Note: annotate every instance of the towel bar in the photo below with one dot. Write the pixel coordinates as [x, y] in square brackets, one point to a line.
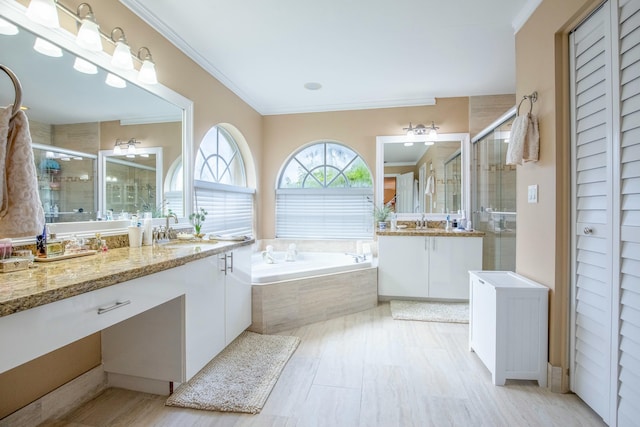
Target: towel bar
[16, 83]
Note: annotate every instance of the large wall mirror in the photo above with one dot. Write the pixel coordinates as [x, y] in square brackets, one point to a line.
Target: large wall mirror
[74, 116]
[419, 178]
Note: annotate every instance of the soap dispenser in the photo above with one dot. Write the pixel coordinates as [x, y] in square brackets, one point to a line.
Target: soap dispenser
[448, 226]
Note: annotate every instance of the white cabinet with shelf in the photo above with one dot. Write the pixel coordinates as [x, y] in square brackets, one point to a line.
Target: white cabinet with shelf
[427, 266]
[508, 325]
[216, 308]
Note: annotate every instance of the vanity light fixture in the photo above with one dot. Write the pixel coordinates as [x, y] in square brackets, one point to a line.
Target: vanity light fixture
[44, 12]
[44, 47]
[408, 144]
[116, 149]
[85, 66]
[147, 73]
[431, 131]
[7, 28]
[88, 35]
[122, 54]
[429, 142]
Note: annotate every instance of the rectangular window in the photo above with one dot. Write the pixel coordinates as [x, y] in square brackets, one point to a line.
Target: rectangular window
[324, 213]
[229, 208]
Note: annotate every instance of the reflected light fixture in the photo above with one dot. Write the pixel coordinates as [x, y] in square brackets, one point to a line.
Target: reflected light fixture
[85, 66]
[7, 28]
[122, 54]
[408, 144]
[147, 73]
[89, 33]
[44, 47]
[126, 147]
[115, 81]
[44, 12]
[433, 131]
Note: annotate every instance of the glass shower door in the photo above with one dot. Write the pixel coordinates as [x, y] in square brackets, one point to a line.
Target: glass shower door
[493, 197]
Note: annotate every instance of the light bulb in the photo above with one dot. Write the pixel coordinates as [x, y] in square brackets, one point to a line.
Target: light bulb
[44, 47]
[147, 73]
[115, 81]
[89, 35]
[85, 66]
[43, 12]
[7, 28]
[122, 56]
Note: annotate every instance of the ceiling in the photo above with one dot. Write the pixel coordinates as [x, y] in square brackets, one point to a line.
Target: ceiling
[364, 53]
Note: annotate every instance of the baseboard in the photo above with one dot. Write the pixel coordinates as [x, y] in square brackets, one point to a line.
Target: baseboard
[557, 379]
[143, 385]
[60, 401]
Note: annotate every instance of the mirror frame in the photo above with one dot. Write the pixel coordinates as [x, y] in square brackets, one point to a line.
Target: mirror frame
[465, 149]
[16, 13]
[103, 155]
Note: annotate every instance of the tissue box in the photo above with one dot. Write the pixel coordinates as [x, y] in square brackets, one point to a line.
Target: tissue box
[13, 264]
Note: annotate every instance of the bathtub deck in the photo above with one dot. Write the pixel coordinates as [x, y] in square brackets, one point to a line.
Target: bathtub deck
[290, 304]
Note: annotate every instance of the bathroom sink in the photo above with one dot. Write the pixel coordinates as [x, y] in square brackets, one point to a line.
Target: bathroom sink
[180, 243]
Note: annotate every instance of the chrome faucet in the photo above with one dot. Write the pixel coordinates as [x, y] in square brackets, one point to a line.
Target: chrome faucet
[357, 258]
[168, 230]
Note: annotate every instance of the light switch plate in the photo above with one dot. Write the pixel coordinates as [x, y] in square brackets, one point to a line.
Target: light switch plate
[532, 194]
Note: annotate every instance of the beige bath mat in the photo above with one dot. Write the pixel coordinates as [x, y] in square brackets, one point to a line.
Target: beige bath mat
[448, 312]
[240, 378]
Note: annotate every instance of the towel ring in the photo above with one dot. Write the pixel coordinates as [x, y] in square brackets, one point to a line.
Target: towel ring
[17, 103]
[532, 98]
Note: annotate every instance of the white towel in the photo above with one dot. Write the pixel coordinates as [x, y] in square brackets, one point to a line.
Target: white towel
[21, 213]
[524, 141]
[431, 187]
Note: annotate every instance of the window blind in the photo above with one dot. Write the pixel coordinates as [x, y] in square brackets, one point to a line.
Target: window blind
[324, 214]
[229, 208]
[173, 201]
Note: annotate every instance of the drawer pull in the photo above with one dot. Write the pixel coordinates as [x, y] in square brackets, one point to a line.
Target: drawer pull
[481, 281]
[102, 310]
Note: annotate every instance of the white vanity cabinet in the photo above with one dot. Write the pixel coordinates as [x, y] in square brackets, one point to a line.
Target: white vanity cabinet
[403, 266]
[237, 285]
[508, 325]
[450, 260]
[427, 266]
[40, 330]
[216, 307]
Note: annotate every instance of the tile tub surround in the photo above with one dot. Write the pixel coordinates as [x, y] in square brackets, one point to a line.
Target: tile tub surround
[54, 281]
[279, 306]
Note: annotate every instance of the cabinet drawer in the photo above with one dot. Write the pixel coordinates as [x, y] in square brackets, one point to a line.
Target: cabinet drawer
[34, 332]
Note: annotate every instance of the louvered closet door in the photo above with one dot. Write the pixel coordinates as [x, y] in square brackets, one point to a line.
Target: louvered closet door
[592, 258]
[629, 375]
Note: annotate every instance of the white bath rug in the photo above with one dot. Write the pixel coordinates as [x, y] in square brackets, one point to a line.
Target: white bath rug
[448, 312]
[240, 378]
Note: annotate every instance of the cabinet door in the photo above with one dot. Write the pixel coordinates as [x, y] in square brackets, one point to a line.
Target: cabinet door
[403, 264]
[450, 260]
[482, 322]
[204, 313]
[238, 292]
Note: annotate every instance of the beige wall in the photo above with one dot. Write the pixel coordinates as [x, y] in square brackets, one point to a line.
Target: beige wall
[285, 134]
[543, 228]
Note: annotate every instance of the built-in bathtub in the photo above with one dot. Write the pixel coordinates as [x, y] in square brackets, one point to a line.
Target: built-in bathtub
[316, 286]
[306, 264]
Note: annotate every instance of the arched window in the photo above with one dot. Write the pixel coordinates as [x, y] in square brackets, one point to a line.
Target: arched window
[220, 185]
[324, 191]
[173, 189]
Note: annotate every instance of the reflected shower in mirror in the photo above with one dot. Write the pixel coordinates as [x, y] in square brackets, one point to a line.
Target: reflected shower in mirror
[75, 115]
[130, 183]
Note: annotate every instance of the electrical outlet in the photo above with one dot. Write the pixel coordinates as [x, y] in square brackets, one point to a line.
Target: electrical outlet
[532, 194]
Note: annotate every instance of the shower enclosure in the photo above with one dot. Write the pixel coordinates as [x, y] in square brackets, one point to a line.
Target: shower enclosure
[493, 194]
